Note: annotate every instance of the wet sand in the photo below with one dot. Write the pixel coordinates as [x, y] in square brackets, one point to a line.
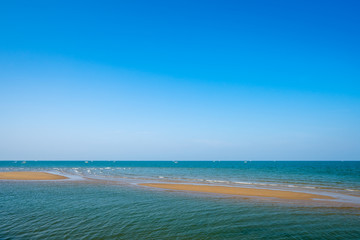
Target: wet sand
[29, 176]
[253, 192]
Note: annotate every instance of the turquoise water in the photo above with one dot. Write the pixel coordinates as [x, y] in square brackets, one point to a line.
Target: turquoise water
[102, 200]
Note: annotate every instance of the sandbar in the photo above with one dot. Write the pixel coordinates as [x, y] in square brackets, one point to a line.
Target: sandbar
[29, 176]
[254, 192]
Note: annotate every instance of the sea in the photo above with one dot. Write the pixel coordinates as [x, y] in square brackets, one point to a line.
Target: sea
[103, 200]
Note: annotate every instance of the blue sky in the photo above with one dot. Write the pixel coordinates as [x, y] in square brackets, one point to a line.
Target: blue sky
[186, 80]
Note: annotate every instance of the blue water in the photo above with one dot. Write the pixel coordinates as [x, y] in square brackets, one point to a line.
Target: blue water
[102, 200]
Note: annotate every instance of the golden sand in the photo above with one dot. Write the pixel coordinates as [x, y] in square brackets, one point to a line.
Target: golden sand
[29, 176]
[239, 191]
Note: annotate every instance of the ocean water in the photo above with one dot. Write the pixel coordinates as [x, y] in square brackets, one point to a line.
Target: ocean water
[101, 200]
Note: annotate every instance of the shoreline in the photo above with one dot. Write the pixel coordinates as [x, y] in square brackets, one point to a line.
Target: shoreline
[199, 188]
[246, 192]
[28, 175]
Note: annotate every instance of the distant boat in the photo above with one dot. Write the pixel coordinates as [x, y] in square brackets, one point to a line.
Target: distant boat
[23, 162]
[86, 162]
[175, 162]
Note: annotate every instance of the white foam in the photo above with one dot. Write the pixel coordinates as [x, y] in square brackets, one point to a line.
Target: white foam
[244, 183]
[351, 190]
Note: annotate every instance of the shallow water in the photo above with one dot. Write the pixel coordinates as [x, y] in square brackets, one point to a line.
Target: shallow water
[82, 208]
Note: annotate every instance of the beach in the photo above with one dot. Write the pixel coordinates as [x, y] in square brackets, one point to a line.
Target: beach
[250, 192]
[28, 175]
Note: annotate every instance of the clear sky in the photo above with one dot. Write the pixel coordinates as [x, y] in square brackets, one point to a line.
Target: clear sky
[180, 80]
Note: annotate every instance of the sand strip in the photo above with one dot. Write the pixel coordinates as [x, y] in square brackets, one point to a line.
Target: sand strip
[29, 176]
[239, 191]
